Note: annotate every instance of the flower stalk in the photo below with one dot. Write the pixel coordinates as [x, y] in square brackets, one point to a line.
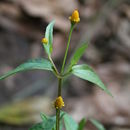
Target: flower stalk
[61, 79]
[67, 48]
[73, 19]
[58, 110]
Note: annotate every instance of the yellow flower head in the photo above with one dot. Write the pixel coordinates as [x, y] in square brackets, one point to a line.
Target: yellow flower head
[75, 17]
[59, 103]
[44, 40]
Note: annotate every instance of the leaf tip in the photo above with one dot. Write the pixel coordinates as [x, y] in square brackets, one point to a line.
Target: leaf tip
[109, 93]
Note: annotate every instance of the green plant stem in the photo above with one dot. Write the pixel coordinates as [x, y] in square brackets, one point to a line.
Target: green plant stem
[59, 93]
[59, 86]
[57, 73]
[61, 78]
[57, 119]
[58, 110]
[67, 48]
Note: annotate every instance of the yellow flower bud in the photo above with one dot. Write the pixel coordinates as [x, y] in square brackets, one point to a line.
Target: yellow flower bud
[75, 17]
[44, 40]
[59, 103]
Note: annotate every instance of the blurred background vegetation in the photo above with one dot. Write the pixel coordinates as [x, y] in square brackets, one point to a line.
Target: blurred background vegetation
[105, 24]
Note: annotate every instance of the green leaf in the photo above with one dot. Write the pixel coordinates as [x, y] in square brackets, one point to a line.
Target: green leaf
[37, 127]
[82, 124]
[42, 64]
[45, 118]
[49, 37]
[85, 72]
[70, 124]
[47, 124]
[98, 125]
[77, 55]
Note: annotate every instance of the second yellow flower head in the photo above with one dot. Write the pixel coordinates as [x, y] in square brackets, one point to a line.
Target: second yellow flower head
[59, 103]
[44, 41]
[75, 17]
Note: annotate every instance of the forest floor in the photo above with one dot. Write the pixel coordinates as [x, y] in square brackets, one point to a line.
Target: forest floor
[104, 24]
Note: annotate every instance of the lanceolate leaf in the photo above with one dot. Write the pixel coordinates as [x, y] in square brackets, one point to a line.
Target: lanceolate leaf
[85, 72]
[49, 37]
[78, 53]
[82, 124]
[42, 64]
[98, 125]
[70, 124]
